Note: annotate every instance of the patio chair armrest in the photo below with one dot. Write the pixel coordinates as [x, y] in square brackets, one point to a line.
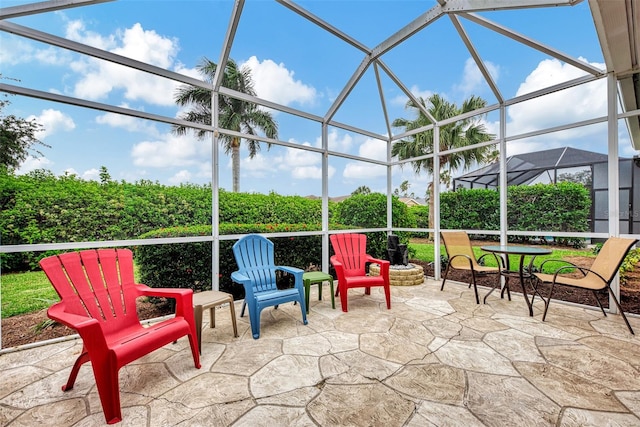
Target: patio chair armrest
[88, 328]
[58, 313]
[245, 281]
[335, 262]
[383, 263]
[295, 272]
[467, 257]
[183, 297]
[288, 269]
[337, 265]
[177, 293]
[583, 270]
[568, 265]
[240, 278]
[499, 260]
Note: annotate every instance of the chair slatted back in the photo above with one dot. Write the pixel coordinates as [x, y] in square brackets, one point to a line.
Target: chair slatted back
[255, 258]
[96, 283]
[611, 256]
[351, 251]
[458, 243]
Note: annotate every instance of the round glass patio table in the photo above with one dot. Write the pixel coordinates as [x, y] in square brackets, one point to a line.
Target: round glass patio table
[521, 273]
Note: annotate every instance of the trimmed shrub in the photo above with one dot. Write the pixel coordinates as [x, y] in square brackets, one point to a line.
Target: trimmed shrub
[369, 211]
[189, 265]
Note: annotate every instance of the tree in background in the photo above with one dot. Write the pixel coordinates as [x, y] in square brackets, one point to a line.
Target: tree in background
[403, 190]
[234, 114]
[17, 139]
[461, 133]
[363, 189]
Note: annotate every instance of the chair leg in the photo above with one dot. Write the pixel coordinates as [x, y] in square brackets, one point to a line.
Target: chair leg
[444, 278]
[621, 311]
[254, 319]
[304, 308]
[484, 300]
[244, 305]
[595, 295]
[333, 298]
[307, 291]
[387, 294]
[475, 287]
[507, 289]
[344, 291]
[233, 318]
[195, 350]
[106, 375]
[197, 314]
[81, 360]
[547, 302]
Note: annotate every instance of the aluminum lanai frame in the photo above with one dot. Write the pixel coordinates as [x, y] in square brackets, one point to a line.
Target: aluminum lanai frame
[455, 10]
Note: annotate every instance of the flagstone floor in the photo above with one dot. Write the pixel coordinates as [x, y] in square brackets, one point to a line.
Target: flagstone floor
[435, 359]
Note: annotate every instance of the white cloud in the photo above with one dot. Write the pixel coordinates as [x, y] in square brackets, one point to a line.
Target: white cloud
[171, 150]
[311, 172]
[372, 149]
[16, 50]
[336, 142]
[131, 124]
[303, 164]
[276, 83]
[259, 166]
[472, 78]
[579, 103]
[363, 170]
[583, 102]
[100, 78]
[92, 174]
[401, 99]
[180, 177]
[33, 163]
[52, 121]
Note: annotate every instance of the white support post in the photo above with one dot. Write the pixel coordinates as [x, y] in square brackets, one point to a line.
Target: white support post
[215, 197]
[614, 176]
[325, 199]
[436, 202]
[502, 186]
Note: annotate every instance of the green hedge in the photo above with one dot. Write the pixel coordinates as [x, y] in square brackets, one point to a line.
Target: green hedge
[42, 208]
[560, 207]
[189, 265]
[475, 209]
[369, 211]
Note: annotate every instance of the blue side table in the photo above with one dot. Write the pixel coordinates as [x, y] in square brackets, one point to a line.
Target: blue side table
[317, 277]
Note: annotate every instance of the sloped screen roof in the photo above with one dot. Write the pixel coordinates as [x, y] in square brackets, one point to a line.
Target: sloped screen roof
[524, 168]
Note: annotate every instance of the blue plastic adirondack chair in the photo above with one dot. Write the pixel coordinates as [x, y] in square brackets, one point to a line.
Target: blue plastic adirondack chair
[257, 273]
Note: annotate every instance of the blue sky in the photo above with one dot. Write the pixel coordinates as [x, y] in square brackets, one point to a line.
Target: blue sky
[296, 64]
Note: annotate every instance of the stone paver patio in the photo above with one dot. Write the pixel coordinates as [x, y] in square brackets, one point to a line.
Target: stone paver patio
[435, 359]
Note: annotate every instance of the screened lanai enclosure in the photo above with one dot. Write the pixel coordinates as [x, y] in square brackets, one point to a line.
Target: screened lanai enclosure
[569, 164]
[102, 77]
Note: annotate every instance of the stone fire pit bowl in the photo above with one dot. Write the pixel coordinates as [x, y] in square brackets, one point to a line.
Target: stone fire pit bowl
[401, 275]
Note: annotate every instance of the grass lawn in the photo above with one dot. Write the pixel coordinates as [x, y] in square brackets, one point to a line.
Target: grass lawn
[26, 293]
[424, 252]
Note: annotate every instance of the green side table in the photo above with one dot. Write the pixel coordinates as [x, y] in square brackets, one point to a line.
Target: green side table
[317, 277]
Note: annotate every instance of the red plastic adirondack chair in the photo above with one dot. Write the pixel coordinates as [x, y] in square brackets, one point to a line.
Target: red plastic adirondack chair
[350, 260]
[98, 300]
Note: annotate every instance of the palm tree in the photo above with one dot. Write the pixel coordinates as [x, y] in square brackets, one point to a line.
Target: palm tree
[234, 114]
[462, 133]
